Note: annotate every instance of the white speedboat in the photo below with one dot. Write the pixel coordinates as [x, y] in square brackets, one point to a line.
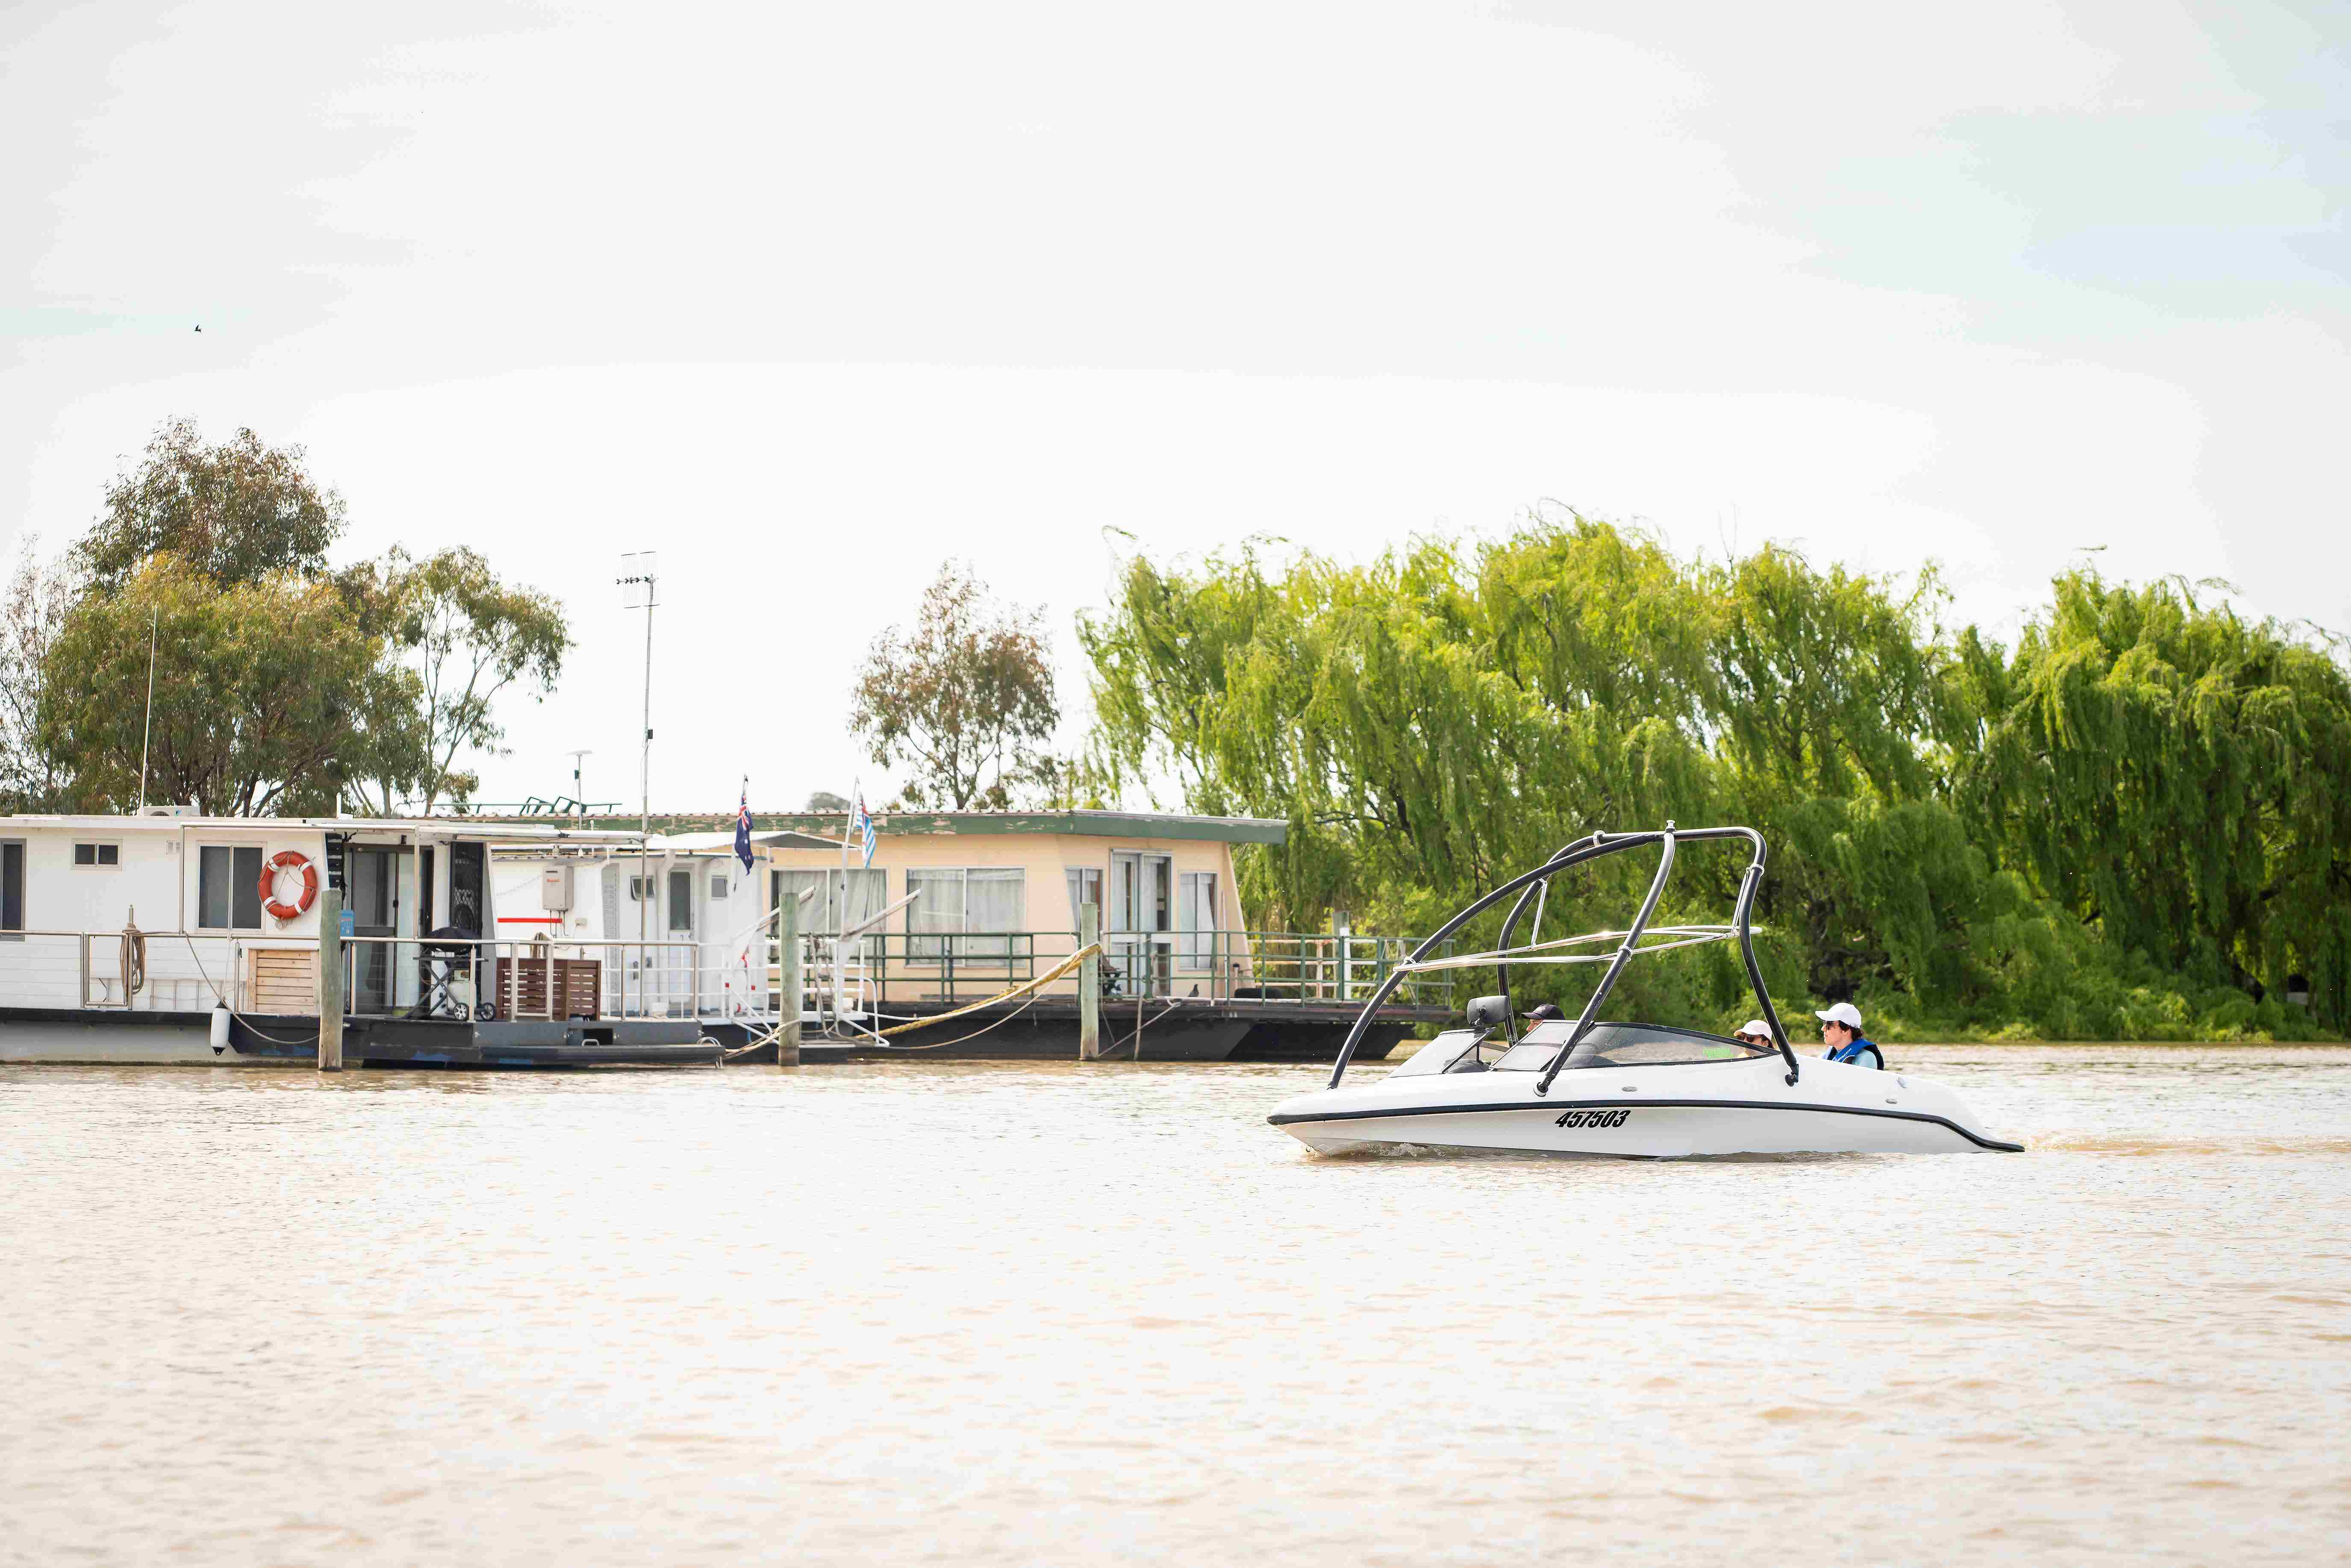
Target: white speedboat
[1593, 1087]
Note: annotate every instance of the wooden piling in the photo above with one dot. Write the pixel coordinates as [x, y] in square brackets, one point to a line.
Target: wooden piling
[1089, 984]
[330, 978]
[788, 974]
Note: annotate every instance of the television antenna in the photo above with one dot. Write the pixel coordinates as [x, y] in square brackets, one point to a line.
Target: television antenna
[639, 586]
[578, 797]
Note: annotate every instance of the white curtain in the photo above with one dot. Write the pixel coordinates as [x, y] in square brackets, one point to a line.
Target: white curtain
[818, 912]
[995, 900]
[1085, 887]
[936, 914]
[1195, 921]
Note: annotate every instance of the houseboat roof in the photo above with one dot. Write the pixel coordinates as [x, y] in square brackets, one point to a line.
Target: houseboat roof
[436, 826]
[830, 827]
[710, 843]
[773, 838]
[1085, 824]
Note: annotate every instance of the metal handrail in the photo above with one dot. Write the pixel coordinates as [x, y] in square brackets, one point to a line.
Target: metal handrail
[1233, 967]
[1237, 968]
[524, 950]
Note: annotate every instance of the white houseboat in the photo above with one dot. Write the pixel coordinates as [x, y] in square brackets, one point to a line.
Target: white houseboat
[170, 937]
[689, 927]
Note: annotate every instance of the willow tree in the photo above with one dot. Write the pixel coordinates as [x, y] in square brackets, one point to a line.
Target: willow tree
[1426, 723]
[2134, 825]
[2179, 778]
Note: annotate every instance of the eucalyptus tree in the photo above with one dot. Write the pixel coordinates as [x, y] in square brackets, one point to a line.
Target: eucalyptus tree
[253, 710]
[281, 683]
[468, 636]
[37, 599]
[964, 699]
[231, 513]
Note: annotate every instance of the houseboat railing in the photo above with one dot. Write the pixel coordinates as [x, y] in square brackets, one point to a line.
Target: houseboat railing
[254, 972]
[680, 976]
[526, 977]
[891, 969]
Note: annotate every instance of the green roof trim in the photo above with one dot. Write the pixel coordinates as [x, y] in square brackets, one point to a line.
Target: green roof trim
[1083, 824]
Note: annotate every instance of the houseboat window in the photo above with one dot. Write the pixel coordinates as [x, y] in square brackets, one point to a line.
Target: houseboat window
[823, 912]
[1195, 919]
[1085, 887]
[972, 910]
[637, 889]
[228, 887]
[938, 912]
[12, 886]
[681, 901]
[718, 886]
[101, 854]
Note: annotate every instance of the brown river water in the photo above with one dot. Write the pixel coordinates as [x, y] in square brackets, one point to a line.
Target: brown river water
[1017, 1313]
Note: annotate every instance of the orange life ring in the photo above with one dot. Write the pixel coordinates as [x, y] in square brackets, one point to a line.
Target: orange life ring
[287, 860]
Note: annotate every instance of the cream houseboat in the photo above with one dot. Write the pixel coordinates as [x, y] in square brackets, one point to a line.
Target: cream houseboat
[955, 909]
[177, 938]
[957, 906]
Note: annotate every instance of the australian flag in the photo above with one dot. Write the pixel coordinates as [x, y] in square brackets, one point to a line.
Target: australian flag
[743, 829]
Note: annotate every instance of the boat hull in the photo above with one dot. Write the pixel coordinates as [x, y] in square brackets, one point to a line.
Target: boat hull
[1661, 1113]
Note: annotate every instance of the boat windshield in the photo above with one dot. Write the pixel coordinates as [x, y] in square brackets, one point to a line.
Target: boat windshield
[1623, 1045]
[1438, 1054]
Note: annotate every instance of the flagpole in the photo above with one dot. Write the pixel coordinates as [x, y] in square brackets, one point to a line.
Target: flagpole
[848, 820]
[841, 929]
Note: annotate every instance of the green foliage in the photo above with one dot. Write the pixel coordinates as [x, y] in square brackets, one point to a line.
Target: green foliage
[965, 700]
[2137, 825]
[280, 686]
[2202, 768]
[468, 636]
[235, 513]
[252, 716]
[33, 612]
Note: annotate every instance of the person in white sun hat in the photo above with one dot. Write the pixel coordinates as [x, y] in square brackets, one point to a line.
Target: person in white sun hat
[1840, 1031]
[1755, 1031]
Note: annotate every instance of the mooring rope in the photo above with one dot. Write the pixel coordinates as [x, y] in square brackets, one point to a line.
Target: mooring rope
[1026, 988]
[222, 996]
[1091, 950]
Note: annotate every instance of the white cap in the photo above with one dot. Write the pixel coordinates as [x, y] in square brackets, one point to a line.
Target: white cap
[1756, 1026]
[1845, 1013]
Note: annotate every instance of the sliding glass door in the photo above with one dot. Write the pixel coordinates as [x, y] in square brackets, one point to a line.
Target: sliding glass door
[1140, 927]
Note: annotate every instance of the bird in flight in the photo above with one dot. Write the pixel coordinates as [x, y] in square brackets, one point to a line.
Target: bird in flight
[200, 329]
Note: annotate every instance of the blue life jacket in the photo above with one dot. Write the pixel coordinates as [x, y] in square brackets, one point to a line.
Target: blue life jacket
[1853, 1050]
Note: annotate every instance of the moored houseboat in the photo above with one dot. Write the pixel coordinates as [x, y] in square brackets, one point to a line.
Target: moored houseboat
[172, 938]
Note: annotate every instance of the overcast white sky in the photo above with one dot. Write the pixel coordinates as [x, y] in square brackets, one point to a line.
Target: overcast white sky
[809, 298]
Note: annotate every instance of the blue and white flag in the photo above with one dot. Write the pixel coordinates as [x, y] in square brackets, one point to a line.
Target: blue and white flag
[861, 828]
[743, 829]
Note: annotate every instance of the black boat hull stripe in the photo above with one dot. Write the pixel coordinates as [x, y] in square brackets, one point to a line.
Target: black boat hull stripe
[1549, 1105]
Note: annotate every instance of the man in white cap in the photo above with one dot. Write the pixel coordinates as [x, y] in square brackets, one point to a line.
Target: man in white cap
[1841, 1030]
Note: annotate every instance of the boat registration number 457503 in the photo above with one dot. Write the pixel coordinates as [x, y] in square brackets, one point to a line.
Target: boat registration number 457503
[1596, 1118]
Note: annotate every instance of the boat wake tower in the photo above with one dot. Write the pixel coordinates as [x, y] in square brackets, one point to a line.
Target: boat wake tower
[1631, 1089]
